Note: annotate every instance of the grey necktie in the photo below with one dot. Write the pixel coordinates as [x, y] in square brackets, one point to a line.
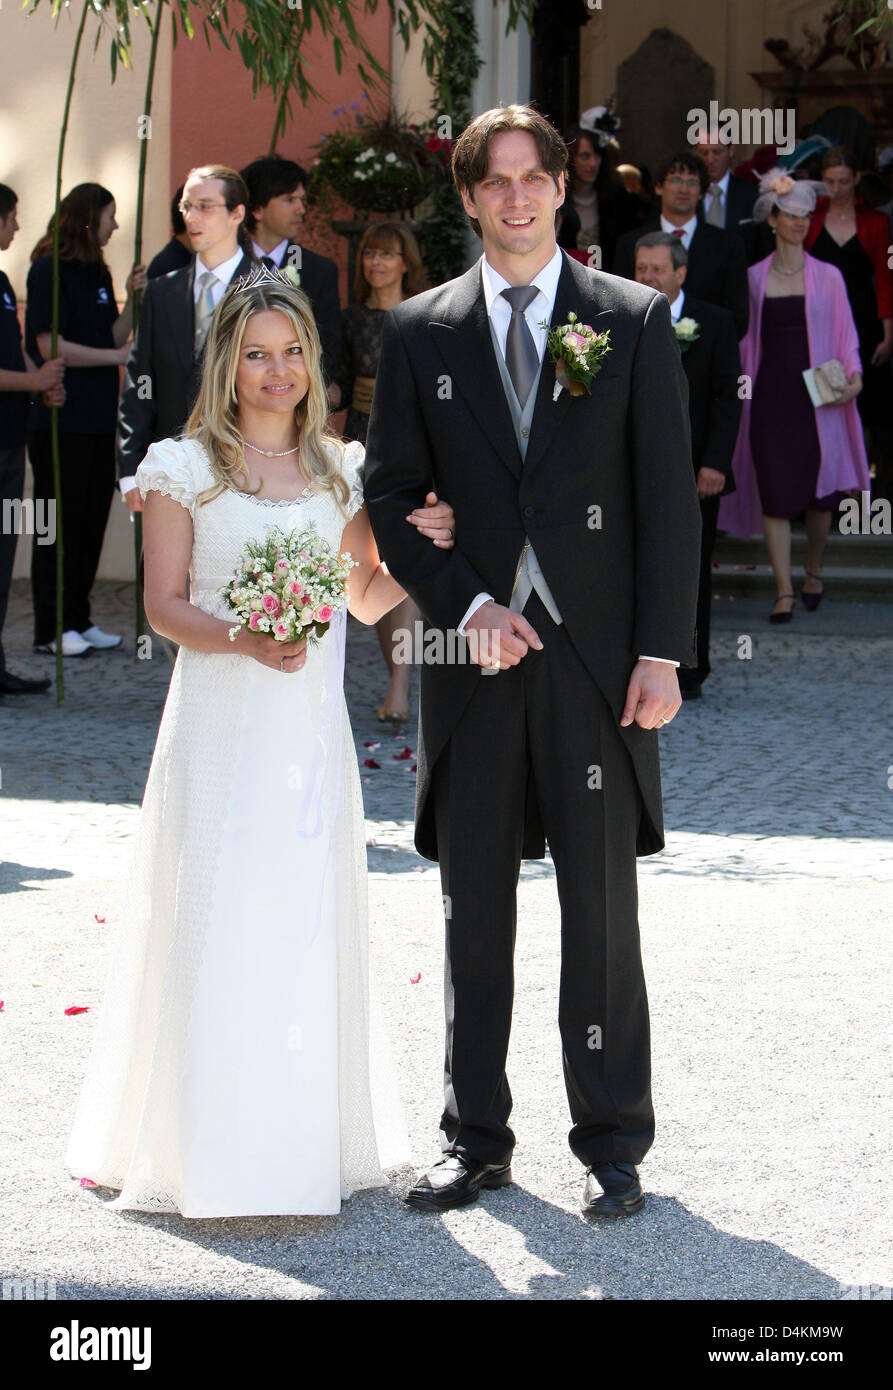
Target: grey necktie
[716, 215]
[204, 309]
[521, 356]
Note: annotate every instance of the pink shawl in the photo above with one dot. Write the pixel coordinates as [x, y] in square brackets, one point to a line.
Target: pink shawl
[831, 333]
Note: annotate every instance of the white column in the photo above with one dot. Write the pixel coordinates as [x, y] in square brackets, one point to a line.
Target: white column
[505, 75]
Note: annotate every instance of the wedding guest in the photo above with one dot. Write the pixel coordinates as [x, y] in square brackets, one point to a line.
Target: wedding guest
[596, 193]
[792, 456]
[178, 251]
[19, 380]
[637, 186]
[729, 200]
[164, 367]
[846, 232]
[712, 365]
[389, 270]
[717, 265]
[93, 342]
[277, 189]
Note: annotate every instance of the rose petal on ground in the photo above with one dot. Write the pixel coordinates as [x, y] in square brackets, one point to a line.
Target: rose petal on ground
[77, 1009]
[370, 762]
[87, 1182]
[414, 979]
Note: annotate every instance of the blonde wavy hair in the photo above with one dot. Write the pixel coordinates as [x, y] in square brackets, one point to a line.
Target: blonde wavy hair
[213, 421]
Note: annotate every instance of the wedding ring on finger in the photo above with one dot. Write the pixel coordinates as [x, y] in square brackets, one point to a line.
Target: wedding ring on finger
[662, 722]
[282, 667]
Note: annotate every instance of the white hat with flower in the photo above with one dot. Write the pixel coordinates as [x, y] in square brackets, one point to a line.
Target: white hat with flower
[779, 189]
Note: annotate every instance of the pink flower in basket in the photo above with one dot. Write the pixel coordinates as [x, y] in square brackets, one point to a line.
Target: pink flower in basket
[325, 613]
[253, 621]
[271, 604]
[282, 564]
[280, 629]
[295, 588]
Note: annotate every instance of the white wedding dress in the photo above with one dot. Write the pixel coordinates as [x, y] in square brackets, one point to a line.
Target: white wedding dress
[230, 1073]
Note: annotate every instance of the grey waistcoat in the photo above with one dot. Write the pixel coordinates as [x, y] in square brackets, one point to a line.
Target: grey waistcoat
[528, 577]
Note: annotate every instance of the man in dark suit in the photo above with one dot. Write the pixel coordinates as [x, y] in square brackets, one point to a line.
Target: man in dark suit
[582, 512]
[717, 265]
[164, 369]
[277, 189]
[712, 365]
[729, 200]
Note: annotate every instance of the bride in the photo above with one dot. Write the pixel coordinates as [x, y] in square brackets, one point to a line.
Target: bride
[230, 1073]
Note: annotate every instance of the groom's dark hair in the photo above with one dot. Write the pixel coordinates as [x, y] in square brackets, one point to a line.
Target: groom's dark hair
[471, 152]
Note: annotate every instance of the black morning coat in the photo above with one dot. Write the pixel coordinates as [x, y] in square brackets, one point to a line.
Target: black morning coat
[606, 496]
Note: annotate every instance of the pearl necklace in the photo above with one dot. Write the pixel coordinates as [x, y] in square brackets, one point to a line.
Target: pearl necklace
[273, 453]
[778, 270]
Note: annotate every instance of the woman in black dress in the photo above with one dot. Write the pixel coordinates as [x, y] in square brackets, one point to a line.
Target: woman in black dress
[93, 344]
[389, 270]
[846, 232]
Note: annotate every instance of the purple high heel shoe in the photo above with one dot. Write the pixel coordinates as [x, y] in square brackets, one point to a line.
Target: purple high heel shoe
[783, 617]
[811, 601]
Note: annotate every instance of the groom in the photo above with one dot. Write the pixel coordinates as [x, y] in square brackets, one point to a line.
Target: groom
[576, 567]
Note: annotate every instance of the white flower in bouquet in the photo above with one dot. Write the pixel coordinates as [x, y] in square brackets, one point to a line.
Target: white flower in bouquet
[288, 585]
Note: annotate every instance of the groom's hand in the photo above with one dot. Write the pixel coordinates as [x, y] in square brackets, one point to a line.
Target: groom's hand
[652, 697]
[500, 636]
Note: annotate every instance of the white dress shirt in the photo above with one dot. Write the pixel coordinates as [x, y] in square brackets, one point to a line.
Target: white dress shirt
[723, 186]
[676, 306]
[538, 315]
[688, 229]
[223, 273]
[275, 255]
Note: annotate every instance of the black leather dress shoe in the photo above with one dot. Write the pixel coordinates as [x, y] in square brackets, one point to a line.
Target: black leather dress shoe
[612, 1189]
[455, 1181]
[17, 685]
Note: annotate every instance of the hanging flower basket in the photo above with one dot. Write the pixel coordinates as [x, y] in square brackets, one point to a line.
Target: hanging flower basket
[378, 165]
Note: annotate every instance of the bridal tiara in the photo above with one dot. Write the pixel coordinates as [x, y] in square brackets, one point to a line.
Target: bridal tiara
[263, 275]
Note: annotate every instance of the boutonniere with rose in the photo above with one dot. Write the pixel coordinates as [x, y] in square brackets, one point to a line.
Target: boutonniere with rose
[687, 331]
[578, 352]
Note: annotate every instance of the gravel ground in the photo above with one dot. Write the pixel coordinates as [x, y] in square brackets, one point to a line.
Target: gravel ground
[765, 925]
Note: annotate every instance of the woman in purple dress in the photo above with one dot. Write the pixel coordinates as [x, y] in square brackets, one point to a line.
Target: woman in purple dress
[799, 456]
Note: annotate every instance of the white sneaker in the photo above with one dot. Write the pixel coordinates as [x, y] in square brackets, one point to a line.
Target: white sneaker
[95, 637]
[73, 644]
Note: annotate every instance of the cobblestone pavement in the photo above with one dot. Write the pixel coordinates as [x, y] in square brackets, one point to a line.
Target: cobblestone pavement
[765, 928]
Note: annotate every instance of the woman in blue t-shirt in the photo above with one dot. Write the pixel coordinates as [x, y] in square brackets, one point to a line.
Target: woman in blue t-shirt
[93, 344]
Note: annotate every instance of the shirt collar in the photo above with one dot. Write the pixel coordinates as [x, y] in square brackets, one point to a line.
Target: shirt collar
[223, 272]
[546, 281]
[688, 228]
[676, 306]
[275, 255]
[723, 184]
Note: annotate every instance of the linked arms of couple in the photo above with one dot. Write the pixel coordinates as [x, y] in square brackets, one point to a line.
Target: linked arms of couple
[503, 636]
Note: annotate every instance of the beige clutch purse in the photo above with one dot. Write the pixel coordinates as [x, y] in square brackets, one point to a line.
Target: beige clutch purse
[826, 383]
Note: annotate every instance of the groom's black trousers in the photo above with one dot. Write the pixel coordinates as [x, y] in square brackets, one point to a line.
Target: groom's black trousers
[547, 721]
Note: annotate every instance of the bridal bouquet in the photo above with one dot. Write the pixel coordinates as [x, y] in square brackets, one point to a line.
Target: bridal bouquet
[289, 586]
